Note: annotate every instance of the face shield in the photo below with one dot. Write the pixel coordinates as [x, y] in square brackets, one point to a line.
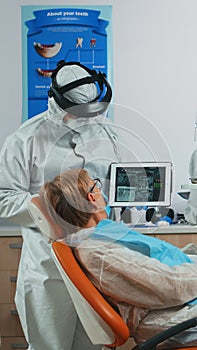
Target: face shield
[80, 91]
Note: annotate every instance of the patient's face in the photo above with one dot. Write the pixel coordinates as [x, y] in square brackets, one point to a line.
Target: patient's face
[95, 189]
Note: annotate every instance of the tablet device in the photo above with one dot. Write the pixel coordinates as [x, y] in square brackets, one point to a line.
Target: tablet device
[140, 184]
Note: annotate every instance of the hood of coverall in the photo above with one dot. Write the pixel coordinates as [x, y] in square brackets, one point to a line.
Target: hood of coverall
[81, 94]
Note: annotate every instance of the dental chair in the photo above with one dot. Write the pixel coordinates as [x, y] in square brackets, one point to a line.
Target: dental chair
[101, 321]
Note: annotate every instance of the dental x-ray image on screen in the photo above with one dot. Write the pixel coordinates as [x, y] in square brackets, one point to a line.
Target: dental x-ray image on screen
[140, 184]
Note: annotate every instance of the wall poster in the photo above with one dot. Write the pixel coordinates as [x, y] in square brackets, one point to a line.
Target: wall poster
[61, 33]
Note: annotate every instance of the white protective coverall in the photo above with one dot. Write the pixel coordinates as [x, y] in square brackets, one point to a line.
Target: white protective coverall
[190, 211]
[40, 149]
[150, 295]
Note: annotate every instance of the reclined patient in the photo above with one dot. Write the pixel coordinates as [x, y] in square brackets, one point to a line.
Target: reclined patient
[153, 283]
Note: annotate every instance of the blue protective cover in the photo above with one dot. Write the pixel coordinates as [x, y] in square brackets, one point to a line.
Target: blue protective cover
[153, 247]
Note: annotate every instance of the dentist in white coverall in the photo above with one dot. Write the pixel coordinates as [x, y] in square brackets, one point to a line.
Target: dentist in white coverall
[41, 148]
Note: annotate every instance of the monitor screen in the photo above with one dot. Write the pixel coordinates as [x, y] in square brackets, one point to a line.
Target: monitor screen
[140, 184]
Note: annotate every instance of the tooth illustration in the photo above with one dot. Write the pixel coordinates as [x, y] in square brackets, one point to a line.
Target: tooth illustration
[44, 72]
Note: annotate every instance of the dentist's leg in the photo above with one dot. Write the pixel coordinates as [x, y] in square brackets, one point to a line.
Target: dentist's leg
[81, 340]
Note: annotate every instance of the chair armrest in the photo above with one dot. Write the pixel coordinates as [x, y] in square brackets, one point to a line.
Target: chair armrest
[151, 344]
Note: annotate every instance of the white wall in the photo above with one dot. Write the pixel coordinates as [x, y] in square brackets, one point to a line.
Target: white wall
[155, 73]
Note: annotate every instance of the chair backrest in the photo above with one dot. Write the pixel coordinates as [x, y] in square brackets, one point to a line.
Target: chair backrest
[43, 220]
[101, 322]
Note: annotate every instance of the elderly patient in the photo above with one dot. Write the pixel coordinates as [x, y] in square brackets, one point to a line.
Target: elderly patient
[153, 283]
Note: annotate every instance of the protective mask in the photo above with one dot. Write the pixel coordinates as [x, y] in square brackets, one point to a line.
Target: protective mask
[107, 207]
